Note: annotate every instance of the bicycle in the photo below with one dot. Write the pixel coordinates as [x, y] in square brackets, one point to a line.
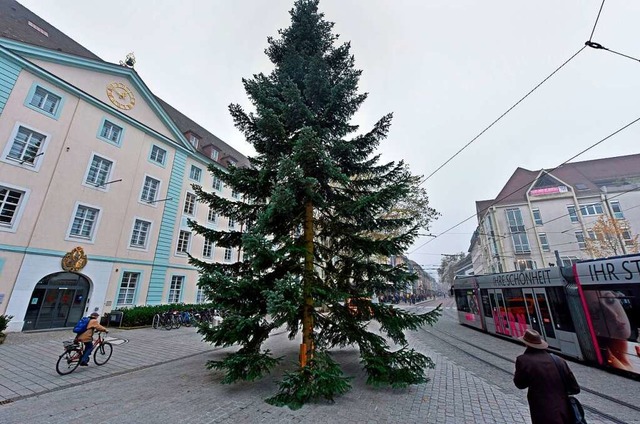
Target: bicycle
[73, 351]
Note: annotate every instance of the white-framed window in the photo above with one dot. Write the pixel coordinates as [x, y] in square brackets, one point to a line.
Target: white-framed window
[175, 290]
[207, 248]
[200, 297]
[514, 218]
[128, 285]
[217, 183]
[591, 209]
[140, 233]
[544, 242]
[98, 172]
[524, 264]
[195, 173]
[232, 223]
[150, 190]
[44, 101]
[520, 243]
[84, 223]
[211, 216]
[235, 194]
[158, 155]
[110, 132]
[573, 214]
[629, 240]
[592, 235]
[184, 239]
[194, 140]
[580, 240]
[617, 210]
[227, 254]
[569, 260]
[214, 154]
[537, 217]
[26, 147]
[12, 202]
[189, 204]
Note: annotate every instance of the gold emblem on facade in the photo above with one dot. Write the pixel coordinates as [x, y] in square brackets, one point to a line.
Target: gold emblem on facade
[74, 260]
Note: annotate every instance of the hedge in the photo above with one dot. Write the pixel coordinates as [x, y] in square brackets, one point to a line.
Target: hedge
[140, 316]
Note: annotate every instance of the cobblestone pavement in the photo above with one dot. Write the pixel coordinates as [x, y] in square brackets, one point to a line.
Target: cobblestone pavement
[159, 376]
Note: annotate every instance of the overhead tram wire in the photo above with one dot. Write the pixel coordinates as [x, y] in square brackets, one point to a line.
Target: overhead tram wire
[527, 184]
[588, 43]
[502, 116]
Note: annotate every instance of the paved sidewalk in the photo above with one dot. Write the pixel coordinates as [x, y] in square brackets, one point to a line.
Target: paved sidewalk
[149, 366]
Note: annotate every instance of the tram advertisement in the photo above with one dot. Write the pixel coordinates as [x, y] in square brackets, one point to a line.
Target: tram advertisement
[610, 291]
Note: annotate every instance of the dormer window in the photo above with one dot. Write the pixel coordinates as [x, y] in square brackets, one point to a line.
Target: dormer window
[232, 162]
[194, 140]
[214, 154]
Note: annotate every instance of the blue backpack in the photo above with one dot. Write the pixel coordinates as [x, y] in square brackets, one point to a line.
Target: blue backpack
[81, 326]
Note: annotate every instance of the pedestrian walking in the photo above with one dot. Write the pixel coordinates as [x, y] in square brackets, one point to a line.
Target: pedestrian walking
[537, 371]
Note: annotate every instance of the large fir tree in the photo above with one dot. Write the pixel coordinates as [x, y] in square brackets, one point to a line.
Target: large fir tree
[318, 211]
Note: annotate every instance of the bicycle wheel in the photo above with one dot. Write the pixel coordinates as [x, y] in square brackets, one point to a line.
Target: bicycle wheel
[102, 353]
[156, 321]
[68, 361]
[177, 322]
[168, 324]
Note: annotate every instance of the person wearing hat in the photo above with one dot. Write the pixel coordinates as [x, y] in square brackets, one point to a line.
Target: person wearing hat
[87, 337]
[537, 371]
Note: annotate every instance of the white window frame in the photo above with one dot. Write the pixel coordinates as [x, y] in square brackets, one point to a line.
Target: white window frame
[190, 204]
[212, 217]
[125, 289]
[176, 287]
[183, 246]
[145, 246]
[215, 154]
[591, 209]
[152, 202]
[232, 224]
[537, 216]
[207, 249]
[103, 187]
[544, 242]
[108, 137]
[38, 158]
[194, 140]
[582, 244]
[572, 211]
[616, 209]
[217, 183]
[569, 260]
[195, 170]
[12, 227]
[55, 114]
[228, 254]
[155, 152]
[200, 297]
[94, 228]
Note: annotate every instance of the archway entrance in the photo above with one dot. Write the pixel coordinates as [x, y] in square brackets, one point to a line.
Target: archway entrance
[58, 300]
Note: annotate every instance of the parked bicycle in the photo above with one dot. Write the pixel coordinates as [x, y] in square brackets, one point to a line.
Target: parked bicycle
[73, 351]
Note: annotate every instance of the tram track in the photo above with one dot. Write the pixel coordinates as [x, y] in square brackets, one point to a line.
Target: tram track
[457, 345]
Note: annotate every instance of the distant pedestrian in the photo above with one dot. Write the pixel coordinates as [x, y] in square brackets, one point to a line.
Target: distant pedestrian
[537, 371]
[87, 337]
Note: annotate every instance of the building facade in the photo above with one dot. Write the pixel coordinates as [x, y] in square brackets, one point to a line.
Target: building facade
[540, 212]
[96, 178]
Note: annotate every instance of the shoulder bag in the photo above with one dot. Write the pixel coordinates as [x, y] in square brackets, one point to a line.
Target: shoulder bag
[574, 404]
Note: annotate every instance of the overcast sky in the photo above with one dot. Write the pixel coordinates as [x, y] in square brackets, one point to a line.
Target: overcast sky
[446, 69]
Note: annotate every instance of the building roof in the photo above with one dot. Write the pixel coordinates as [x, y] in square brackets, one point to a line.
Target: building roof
[587, 177]
[20, 24]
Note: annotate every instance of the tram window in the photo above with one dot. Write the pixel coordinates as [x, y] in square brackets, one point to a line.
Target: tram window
[461, 301]
[486, 306]
[560, 309]
[617, 313]
[516, 305]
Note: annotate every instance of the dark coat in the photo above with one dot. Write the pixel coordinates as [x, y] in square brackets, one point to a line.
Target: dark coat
[548, 400]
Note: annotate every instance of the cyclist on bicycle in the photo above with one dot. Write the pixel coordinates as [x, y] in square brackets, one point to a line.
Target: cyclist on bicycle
[87, 337]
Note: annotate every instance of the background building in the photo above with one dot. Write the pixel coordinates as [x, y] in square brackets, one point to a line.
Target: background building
[95, 182]
[539, 212]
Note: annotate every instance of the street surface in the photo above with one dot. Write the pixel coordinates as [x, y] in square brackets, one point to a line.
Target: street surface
[159, 376]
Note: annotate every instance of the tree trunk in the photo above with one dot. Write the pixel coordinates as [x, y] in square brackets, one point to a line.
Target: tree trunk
[307, 347]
